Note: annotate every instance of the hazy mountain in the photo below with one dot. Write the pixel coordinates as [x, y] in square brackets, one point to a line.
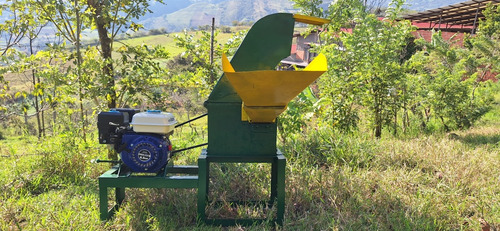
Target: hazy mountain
[176, 15]
[200, 12]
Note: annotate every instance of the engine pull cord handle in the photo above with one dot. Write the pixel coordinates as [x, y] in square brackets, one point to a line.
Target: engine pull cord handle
[106, 161]
[191, 120]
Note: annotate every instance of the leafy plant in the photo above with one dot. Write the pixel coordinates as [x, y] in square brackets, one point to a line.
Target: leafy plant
[449, 80]
[142, 76]
[365, 66]
[299, 111]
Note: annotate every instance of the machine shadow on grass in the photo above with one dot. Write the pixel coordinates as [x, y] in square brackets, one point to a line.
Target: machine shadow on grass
[175, 209]
[334, 202]
[157, 209]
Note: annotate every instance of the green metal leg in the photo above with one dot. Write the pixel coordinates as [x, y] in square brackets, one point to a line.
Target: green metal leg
[278, 167]
[120, 195]
[281, 168]
[112, 179]
[103, 201]
[274, 180]
[203, 171]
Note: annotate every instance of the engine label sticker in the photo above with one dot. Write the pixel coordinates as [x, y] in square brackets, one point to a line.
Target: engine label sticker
[144, 155]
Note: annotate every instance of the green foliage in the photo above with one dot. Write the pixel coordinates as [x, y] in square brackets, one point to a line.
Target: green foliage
[369, 73]
[192, 74]
[118, 16]
[299, 111]
[199, 51]
[21, 20]
[109, 20]
[308, 7]
[490, 26]
[158, 31]
[446, 76]
[486, 45]
[141, 75]
[366, 69]
[43, 91]
[335, 179]
[207, 69]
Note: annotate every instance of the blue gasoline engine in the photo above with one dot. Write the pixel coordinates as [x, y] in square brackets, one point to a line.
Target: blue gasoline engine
[141, 138]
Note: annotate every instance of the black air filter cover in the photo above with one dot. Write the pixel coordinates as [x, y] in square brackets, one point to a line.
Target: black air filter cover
[108, 122]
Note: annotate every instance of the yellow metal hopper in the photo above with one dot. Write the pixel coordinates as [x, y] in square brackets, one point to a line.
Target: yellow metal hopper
[266, 93]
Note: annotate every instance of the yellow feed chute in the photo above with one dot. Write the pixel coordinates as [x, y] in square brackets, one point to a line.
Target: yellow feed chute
[310, 20]
[266, 93]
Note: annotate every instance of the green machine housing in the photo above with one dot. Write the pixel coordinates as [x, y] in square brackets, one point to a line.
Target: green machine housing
[267, 43]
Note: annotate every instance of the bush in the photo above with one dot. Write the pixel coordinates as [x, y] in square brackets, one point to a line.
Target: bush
[157, 31]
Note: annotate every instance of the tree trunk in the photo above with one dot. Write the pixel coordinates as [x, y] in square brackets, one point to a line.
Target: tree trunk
[26, 122]
[79, 58]
[106, 48]
[42, 115]
[378, 128]
[378, 118]
[34, 82]
[395, 122]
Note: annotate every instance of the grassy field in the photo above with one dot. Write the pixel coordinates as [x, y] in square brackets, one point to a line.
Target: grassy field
[167, 40]
[441, 181]
[333, 182]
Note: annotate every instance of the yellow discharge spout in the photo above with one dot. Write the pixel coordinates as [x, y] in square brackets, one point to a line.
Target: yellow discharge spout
[266, 93]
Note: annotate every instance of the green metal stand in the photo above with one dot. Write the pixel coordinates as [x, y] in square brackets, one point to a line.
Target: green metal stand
[278, 163]
[114, 179]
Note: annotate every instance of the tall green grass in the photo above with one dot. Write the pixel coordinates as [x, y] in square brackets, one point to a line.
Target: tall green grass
[334, 181]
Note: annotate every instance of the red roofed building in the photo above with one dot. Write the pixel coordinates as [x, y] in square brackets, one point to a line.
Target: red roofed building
[453, 21]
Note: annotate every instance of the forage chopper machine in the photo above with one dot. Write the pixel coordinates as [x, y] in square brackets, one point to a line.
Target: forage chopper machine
[242, 111]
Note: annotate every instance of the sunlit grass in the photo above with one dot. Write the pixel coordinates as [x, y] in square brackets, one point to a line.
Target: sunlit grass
[168, 41]
[333, 182]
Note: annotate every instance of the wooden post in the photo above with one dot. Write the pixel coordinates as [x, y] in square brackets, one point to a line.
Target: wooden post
[212, 77]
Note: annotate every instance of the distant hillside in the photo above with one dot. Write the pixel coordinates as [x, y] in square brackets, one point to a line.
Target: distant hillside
[176, 15]
[200, 13]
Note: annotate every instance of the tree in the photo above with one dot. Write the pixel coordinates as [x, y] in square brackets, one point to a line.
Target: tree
[198, 51]
[68, 18]
[321, 8]
[450, 81]
[110, 18]
[14, 28]
[142, 76]
[365, 64]
[486, 45]
[25, 23]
